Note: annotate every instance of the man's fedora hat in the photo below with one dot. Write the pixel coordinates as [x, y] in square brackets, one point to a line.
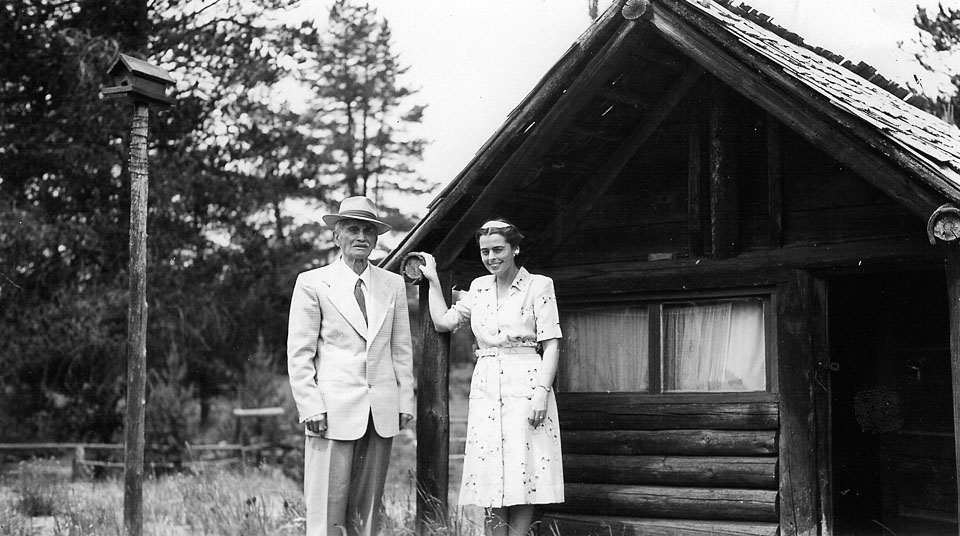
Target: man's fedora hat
[358, 208]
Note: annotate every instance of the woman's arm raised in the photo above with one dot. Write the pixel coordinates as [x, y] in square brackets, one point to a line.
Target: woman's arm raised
[438, 304]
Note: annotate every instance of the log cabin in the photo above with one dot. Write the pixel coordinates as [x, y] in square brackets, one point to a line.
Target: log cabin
[754, 247]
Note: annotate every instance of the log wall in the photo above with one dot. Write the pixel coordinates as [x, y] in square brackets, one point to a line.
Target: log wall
[640, 464]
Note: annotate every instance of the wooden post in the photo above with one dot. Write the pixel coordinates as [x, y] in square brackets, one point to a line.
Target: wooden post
[774, 181]
[695, 183]
[943, 226]
[79, 468]
[952, 262]
[136, 326]
[798, 442]
[433, 417]
[144, 84]
[724, 190]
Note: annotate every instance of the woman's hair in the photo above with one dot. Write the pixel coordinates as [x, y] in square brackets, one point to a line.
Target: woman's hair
[502, 227]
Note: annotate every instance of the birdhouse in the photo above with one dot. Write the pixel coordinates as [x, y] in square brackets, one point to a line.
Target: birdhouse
[139, 80]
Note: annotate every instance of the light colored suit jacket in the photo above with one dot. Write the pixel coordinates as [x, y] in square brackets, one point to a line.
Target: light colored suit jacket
[335, 367]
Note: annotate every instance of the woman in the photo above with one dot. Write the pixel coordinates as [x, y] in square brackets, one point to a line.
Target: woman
[512, 459]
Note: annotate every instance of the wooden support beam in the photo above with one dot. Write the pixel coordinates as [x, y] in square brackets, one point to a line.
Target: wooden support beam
[799, 500]
[774, 181]
[952, 265]
[751, 268]
[826, 127]
[433, 417]
[593, 190]
[624, 97]
[943, 227]
[822, 390]
[593, 133]
[724, 183]
[547, 91]
[561, 115]
[663, 59]
[696, 189]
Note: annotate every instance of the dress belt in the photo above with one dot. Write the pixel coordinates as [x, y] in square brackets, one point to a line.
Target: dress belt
[499, 350]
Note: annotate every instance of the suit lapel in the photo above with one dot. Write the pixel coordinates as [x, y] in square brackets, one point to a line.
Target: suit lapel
[341, 296]
[380, 295]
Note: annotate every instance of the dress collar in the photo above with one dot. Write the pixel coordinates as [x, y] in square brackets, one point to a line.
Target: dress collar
[520, 281]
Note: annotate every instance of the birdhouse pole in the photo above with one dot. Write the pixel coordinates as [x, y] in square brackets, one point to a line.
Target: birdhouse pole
[136, 326]
[144, 84]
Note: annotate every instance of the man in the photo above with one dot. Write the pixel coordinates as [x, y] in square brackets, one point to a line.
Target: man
[350, 362]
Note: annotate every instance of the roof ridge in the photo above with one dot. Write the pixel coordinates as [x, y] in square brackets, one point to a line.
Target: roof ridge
[861, 69]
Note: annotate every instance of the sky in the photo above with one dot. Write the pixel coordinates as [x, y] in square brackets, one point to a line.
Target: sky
[475, 60]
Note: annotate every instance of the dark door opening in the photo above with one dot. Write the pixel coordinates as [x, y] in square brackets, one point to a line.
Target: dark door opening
[892, 410]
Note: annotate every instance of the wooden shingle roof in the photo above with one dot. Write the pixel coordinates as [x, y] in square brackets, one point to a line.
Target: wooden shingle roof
[560, 137]
[933, 141]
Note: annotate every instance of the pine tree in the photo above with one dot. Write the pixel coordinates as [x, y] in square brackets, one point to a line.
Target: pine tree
[361, 109]
[940, 35]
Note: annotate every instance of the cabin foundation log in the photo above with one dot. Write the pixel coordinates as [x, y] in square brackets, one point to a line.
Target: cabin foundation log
[591, 525]
[720, 504]
[433, 417]
[626, 411]
[695, 471]
[677, 442]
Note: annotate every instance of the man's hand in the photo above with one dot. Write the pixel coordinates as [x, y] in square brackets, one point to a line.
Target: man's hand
[317, 424]
[405, 419]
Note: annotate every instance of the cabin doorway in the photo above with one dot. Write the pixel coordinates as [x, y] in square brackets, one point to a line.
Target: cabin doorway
[891, 406]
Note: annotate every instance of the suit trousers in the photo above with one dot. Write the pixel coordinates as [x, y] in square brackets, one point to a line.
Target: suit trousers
[343, 484]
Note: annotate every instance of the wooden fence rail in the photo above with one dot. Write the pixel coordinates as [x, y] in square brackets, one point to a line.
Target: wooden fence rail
[82, 467]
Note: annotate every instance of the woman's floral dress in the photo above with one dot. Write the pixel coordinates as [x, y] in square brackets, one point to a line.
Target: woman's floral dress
[507, 461]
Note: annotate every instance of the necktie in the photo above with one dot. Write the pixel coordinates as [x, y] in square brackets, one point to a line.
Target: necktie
[358, 294]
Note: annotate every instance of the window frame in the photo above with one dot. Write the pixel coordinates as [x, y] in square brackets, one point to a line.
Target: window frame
[654, 304]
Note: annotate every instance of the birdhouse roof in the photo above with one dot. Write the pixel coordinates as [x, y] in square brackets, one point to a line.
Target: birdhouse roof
[142, 68]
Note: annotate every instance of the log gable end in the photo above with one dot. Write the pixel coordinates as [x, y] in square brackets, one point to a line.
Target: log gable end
[690, 157]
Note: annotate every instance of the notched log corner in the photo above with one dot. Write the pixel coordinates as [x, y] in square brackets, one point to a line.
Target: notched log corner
[944, 224]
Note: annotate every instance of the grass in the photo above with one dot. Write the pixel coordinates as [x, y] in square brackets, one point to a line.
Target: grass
[260, 502]
[37, 497]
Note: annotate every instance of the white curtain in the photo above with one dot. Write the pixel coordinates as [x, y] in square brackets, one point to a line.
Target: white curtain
[604, 350]
[715, 346]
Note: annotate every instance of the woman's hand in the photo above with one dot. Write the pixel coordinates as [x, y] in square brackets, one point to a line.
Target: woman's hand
[429, 267]
[538, 407]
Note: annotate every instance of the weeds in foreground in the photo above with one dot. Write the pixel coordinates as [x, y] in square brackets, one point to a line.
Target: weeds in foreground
[37, 497]
[261, 502]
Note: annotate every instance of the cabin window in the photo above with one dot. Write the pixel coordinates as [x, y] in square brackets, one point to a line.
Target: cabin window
[619, 335]
[709, 345]
[716, 345]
